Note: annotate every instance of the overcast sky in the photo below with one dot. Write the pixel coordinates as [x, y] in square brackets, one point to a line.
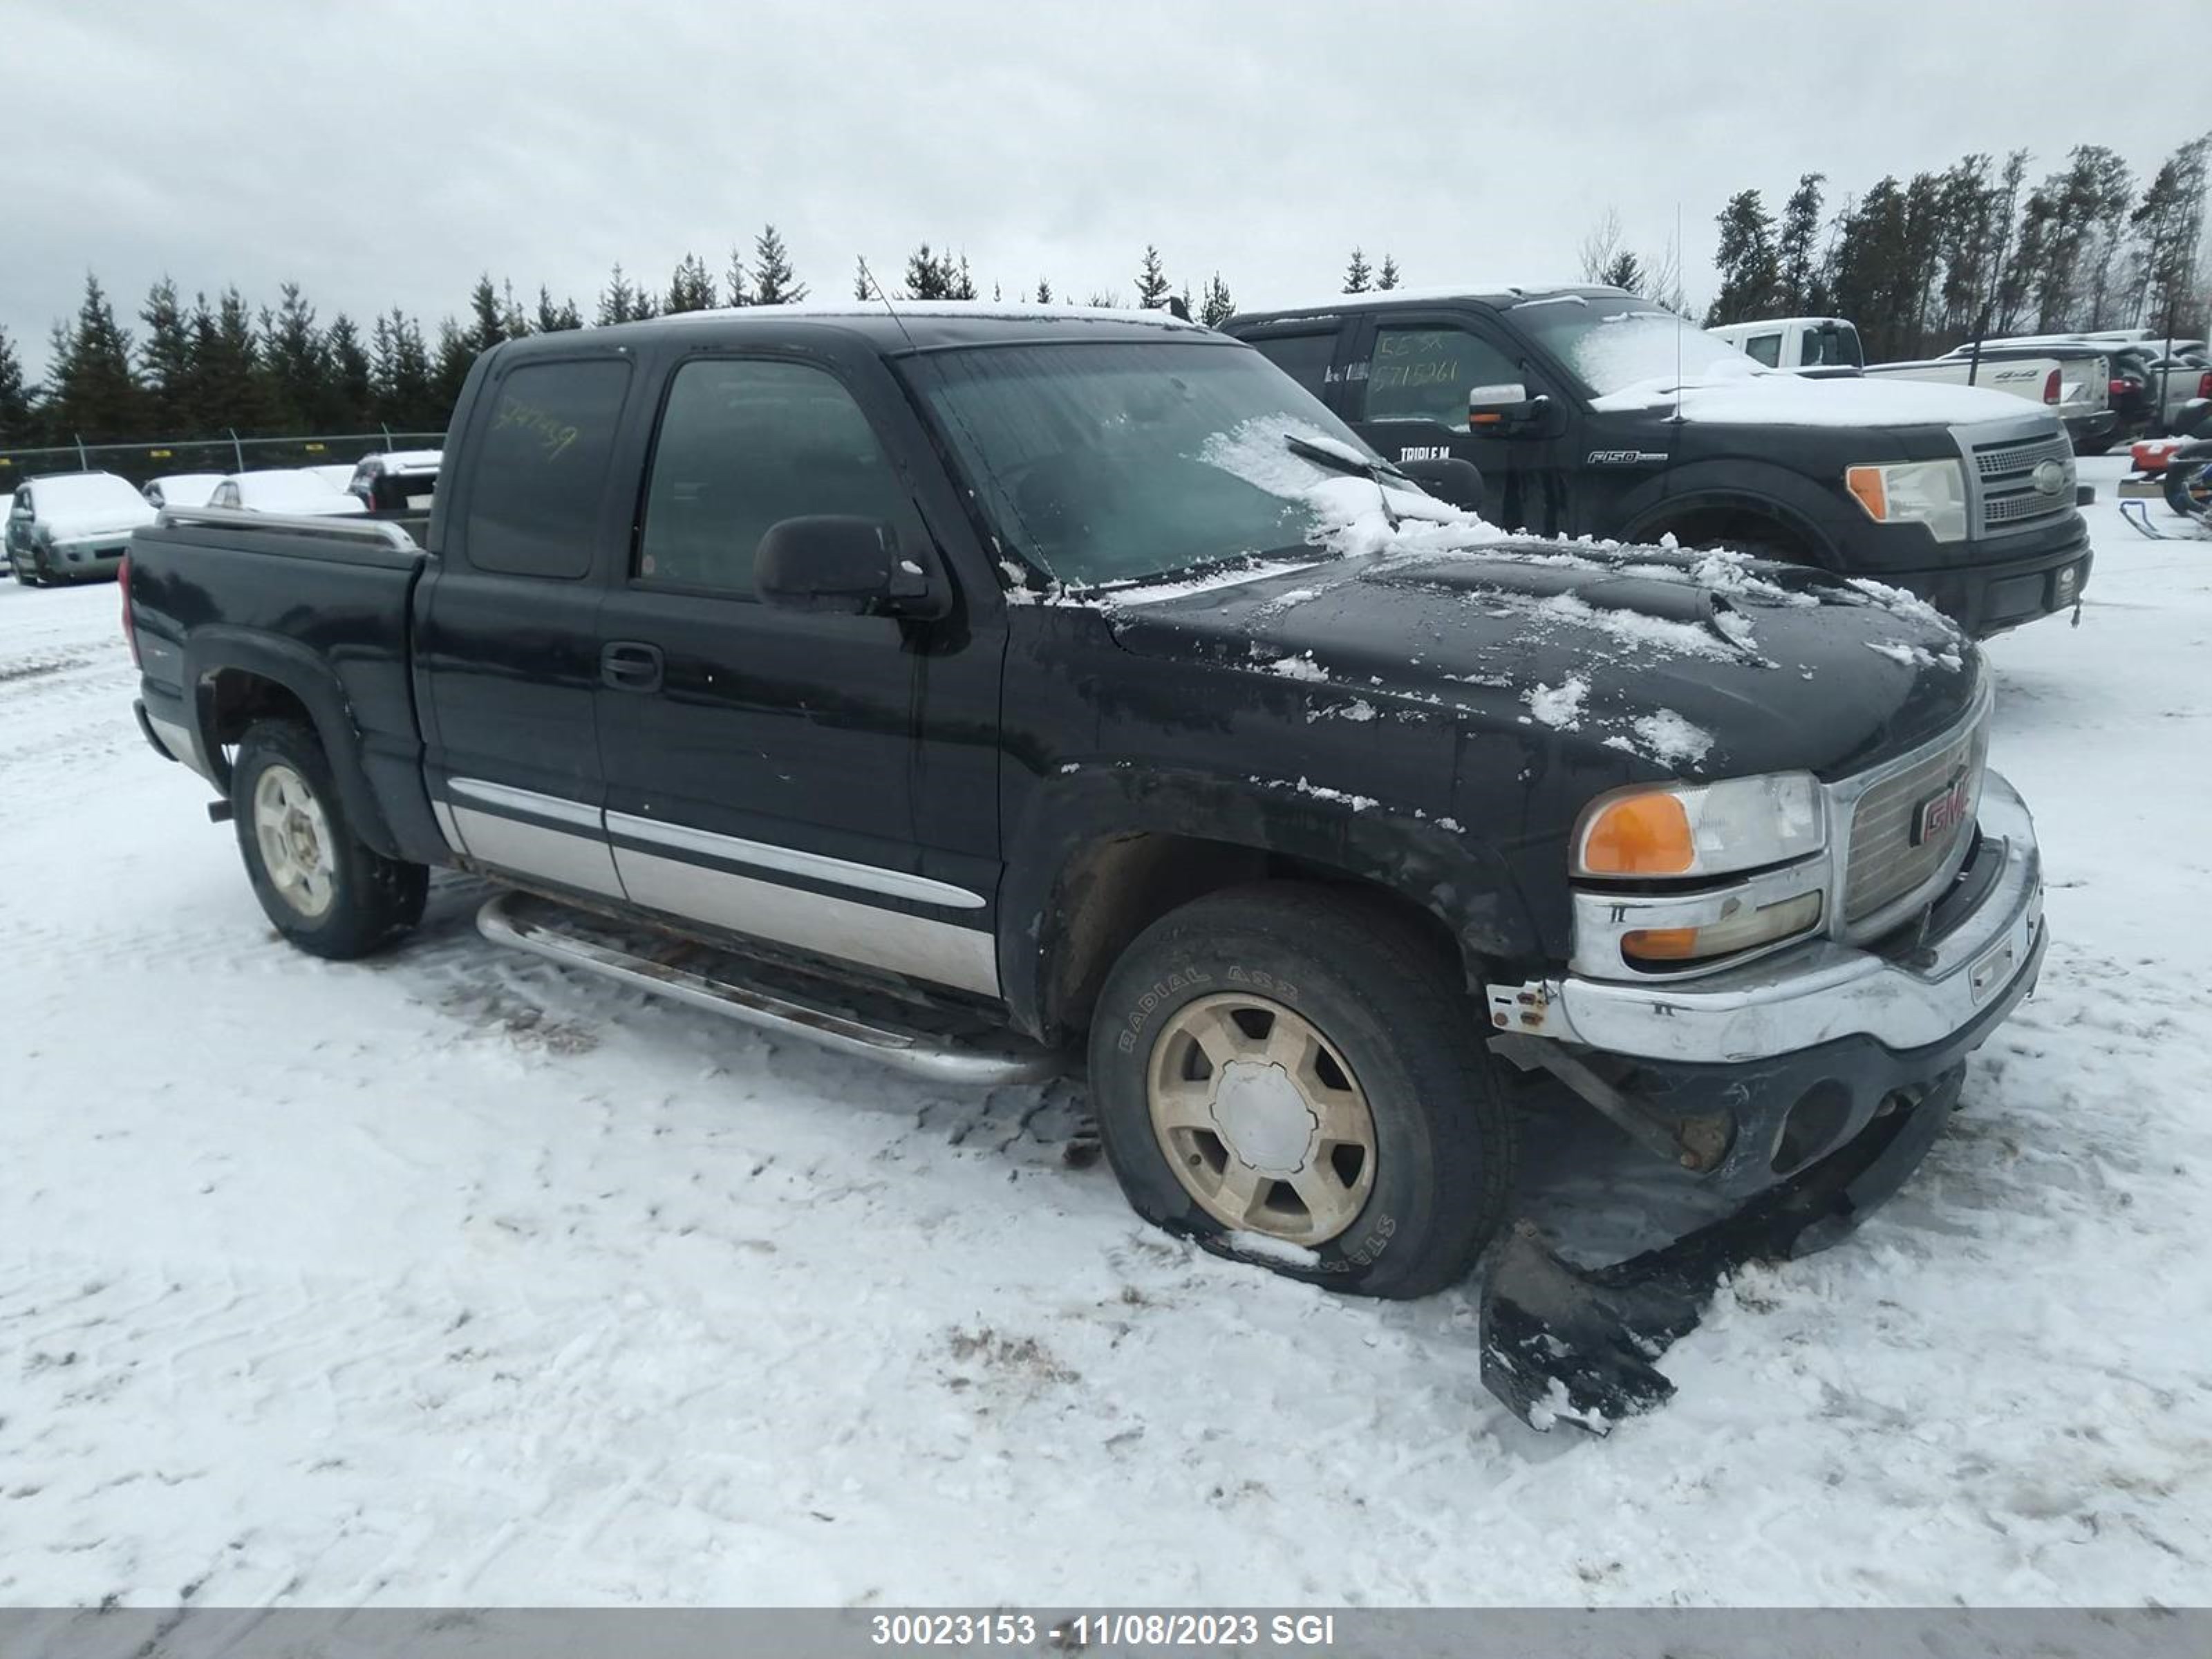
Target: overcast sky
[385, 154]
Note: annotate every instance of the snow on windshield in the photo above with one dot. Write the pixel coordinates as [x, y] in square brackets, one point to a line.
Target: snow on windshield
[91, 492]
[1618, 349]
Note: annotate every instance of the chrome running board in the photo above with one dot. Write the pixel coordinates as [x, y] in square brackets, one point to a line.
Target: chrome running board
[983, 1058]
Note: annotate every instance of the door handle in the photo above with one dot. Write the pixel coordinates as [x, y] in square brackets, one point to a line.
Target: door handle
[630, 665]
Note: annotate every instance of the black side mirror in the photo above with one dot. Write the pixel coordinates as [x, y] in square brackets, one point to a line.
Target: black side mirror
[847, 566]
[1448, 479]
[1508, 409]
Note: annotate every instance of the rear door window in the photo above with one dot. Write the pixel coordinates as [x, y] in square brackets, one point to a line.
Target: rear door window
[540, 469]
[1426, 373]
[1766, 349]
[745, 444]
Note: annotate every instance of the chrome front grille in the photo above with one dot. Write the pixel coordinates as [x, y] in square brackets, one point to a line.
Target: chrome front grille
[2005, 472]
[1886, 866]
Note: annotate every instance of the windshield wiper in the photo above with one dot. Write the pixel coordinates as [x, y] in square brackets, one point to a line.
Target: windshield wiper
[1377, 470]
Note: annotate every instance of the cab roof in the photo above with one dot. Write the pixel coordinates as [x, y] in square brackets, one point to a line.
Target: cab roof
[1502, 296]
[904, 326]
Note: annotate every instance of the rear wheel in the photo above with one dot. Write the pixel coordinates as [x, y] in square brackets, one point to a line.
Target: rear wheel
[323, 888]
[1295, 1074]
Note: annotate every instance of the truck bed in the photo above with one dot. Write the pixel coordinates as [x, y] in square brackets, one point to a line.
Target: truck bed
[235, 612]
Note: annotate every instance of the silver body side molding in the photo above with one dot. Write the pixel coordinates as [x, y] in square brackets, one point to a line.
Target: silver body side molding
[816, 866]
[477, 823]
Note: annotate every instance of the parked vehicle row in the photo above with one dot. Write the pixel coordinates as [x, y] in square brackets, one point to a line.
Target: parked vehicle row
[1595, 413]
[72, 526]
[1083, 683]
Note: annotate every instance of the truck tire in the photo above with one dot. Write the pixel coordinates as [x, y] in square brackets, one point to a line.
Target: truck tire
[1294, 1074]
[320, 887]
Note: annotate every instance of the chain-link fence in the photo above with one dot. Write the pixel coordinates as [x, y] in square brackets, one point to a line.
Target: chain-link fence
[229, 453]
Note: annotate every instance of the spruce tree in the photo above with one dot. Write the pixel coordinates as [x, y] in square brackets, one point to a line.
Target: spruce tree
[347, 404]
[774, 284]
[166, 359]
[1358, 278]
[1044, 292]
[232, 391]
[690, 288]
[1152, 287]
[1795, 264]
[552, 318]
[1626, 271]
[926, 277]
[18, 417]
[618, 300]
[1217, 307]
[1746, 262]
[94, 396]
[293, 352]
[2168, 226]
[1386, 278]
[863, 289]
[959, 284]
[457, 354]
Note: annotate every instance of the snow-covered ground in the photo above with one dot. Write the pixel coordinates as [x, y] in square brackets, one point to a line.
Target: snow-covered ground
[454, 1278]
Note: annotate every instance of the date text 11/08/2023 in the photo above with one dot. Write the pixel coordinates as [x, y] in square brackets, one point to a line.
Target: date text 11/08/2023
[1289, 1630]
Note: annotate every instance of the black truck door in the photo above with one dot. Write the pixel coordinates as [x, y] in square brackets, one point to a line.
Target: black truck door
[507, 632]
[822, 782]
[1410, 377]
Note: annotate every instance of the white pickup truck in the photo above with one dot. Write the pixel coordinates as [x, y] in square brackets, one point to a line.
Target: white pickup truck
[1816, 346]
[2074, 382]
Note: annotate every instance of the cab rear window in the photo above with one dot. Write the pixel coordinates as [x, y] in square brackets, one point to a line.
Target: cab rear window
[540, 471]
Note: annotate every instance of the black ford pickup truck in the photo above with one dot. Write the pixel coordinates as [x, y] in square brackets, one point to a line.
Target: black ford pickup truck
[1592, 412]
[963, 687]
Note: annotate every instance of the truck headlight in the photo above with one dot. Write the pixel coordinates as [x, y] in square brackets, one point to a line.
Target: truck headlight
[1701, 829]
[1932, 492]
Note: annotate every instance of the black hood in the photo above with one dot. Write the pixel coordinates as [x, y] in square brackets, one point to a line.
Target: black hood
[1702, 665]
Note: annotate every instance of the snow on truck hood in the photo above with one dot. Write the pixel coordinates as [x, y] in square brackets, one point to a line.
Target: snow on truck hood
[1760, 396]
[1699, 664]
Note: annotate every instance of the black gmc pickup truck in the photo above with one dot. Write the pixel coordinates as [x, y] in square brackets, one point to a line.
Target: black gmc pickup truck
[964, 687]
[1592, 412]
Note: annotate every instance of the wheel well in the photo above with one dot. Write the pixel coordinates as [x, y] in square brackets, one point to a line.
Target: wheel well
[232, 699]
[1115, 888]
[1723, 524]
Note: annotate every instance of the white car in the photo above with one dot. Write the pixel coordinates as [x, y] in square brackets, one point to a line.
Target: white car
[284, 489]
[181, 488]
[72, 525]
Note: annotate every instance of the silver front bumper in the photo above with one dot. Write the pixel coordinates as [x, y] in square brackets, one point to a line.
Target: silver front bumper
[1823, 989]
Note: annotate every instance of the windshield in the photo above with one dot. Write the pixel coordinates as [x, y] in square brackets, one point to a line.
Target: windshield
[1123, 461]
[1610, 345]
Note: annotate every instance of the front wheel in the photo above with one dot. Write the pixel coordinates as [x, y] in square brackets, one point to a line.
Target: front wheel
[324, 889]
[1294, 1074]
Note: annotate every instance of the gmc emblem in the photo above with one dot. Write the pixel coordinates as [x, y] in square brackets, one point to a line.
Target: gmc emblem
[1942, 811]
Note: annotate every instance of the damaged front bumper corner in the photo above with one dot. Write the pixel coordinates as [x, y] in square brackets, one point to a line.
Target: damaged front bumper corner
[1805, 1087]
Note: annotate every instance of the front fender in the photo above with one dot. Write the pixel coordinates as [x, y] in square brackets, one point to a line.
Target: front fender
[1798, 508]
[1240, 826]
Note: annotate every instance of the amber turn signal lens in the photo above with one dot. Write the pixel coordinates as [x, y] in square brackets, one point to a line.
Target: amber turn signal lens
[1661, 943]
[1866, 483]
[1640, 835]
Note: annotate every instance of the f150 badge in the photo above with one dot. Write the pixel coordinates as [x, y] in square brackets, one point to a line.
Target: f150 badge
[1625, 458]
